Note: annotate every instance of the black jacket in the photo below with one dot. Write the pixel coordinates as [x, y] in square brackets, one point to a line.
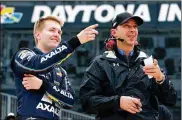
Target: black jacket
[112, 75]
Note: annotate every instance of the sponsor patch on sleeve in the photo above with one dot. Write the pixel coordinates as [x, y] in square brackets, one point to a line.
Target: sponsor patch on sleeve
[25, 54]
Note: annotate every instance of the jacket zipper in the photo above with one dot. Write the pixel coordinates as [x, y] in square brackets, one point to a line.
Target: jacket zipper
[128, 63]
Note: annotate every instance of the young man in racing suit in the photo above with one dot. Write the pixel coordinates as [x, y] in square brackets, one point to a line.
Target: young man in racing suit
[116, 85]
[41, 83]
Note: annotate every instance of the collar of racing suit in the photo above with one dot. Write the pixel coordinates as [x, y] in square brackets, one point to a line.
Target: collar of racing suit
[37, 50]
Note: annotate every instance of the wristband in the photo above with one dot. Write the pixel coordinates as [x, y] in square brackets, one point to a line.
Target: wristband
[160, 82]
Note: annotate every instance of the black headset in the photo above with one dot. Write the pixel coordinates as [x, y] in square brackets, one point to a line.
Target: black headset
[110, 43]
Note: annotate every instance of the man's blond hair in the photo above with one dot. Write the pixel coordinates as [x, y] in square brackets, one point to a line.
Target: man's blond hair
[39, 25]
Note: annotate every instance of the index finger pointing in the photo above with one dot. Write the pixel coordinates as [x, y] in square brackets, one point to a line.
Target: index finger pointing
[92, 26]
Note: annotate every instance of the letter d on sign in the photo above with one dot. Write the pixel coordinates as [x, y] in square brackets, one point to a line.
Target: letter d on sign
[37, 12]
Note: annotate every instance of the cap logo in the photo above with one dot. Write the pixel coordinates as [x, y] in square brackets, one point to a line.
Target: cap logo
[114, 24]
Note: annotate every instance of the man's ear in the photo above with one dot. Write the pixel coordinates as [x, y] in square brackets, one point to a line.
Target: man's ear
[113, 32]
[37, 35]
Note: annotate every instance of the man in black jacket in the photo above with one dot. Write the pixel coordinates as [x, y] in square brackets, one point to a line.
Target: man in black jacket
[116, 85]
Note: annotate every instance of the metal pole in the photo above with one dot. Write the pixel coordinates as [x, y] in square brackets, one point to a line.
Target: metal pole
[9, 105]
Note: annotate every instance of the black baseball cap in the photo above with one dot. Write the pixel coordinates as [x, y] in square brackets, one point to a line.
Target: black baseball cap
[124, 17]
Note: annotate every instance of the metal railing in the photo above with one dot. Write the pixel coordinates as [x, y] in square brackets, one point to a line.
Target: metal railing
[9, 104]
[72, 115]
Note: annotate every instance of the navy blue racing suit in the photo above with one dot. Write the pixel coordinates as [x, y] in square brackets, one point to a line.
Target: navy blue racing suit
[55, 91]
